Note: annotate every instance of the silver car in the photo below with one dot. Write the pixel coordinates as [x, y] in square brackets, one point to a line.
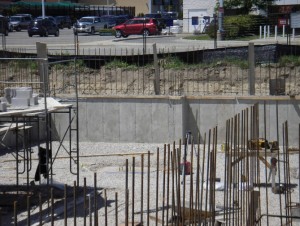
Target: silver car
[89, 24]
[20, 22]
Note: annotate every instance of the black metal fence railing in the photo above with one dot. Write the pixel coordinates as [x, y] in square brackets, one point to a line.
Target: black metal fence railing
[275, 71]
[174, 78]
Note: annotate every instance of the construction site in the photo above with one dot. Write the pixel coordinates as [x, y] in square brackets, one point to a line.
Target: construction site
[72, 158]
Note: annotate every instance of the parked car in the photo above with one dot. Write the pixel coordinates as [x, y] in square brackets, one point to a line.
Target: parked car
[112, 20]
[161, 23]
[135, 26]
[89, 24]
[4, 25]
[47, 17]
[43, 28]
[20, 22]
[63, 22]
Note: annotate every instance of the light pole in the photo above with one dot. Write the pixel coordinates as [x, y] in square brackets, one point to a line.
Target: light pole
[43, 9]
[150, 6]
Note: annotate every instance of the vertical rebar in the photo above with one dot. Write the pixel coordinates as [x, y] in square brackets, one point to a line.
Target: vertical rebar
[173, 154]
[133, 189]
[84, 201]
[105, 208]
[168, 183]
[65, 205]
[116, 209]
[202, 173]
[95, 201]
[164, 182]
[148, 189]
[126, 195]
[15, 213]
[197, 198]
[142, 189]
[191, 206]
[28, 210]
[157, 184]
[183, 169]
[74, 203]
[52, 207]
[41, 209]
[90, 210]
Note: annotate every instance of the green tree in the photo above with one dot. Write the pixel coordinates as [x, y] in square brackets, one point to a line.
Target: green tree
[246, 5]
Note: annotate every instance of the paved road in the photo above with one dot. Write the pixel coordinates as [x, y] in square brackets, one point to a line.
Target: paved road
[93, 44]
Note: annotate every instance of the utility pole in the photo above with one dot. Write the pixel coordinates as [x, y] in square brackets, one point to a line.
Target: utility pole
[220, 20]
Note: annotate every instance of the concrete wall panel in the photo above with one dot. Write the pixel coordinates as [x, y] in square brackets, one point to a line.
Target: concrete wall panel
[165, 120]
[111, 120]
[144, 121]
[93, 121]
[127, 121]
[160, 116]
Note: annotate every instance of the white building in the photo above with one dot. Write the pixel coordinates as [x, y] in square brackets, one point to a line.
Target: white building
[196, 14]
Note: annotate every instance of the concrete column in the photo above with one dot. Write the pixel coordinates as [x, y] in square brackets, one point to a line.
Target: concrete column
[251, 75]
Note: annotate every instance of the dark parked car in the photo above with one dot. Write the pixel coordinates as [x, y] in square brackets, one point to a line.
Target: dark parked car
[63, 22]
[43, 28]
[136, 26]
[161, 23]
[47, 17]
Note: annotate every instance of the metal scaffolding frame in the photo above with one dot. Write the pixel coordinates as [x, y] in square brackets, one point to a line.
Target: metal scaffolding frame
[23, 123]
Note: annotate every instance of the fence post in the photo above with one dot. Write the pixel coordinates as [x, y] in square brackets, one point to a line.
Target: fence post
[260, 32]
[293, 34]
[156, 68]
[43, 66]
[251, 75]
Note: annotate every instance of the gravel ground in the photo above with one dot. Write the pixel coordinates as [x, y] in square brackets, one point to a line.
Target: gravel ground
[107, 161]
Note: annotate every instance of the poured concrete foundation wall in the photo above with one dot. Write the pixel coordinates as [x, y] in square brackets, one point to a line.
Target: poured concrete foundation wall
[167, 119]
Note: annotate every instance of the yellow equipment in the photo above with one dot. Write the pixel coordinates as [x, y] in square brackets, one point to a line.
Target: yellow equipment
[261, 143]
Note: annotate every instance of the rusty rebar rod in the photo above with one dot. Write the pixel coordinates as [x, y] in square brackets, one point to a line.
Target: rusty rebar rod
[157, 188]
[142, 189]
[133, 190]
[84, 201]
[116, 209]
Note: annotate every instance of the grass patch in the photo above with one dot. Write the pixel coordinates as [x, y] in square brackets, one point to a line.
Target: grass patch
[289, 60]
[120, 64]
[206, 37]
[198, 37]
[31, 64]
[173, 63]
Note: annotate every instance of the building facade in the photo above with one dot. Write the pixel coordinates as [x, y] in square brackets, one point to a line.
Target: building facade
[196, 14]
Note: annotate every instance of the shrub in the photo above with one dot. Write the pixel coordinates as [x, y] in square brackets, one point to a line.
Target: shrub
[238, 26]
[107, 31]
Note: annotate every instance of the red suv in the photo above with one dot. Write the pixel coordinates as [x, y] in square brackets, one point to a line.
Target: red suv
[136, 26]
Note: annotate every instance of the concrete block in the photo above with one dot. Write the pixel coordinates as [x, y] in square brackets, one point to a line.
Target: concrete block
[20, 102]
[34, 100]
[8, 94]
[3, 106]
[23, 93]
